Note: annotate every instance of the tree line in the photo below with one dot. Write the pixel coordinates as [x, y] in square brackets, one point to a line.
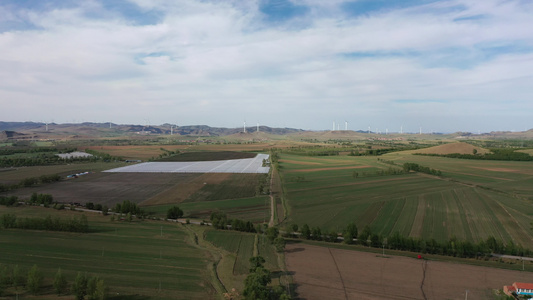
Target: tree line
[219, 220]
[42, 159]
[257, 283]
[497, 154]
[75, 224]
[12, 151]
[452, 247]
[13, 276]
[30, 181]
[422, 169]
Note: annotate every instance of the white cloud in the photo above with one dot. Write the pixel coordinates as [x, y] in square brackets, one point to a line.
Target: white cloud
[215, 62]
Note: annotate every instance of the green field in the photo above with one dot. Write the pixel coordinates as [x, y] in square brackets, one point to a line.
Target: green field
[475, 199]
[140, 260]
[254, 209]
[242, 245]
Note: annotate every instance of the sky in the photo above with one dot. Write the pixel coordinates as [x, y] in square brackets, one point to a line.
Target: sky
[438, 66]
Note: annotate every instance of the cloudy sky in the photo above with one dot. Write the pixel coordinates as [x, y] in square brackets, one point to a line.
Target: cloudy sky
[457, 65]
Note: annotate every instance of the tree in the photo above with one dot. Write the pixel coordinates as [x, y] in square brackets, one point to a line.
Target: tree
[35, 280]
[80, 286]
[279, 243]
[294, 227]
[256, 262]
[365, 235]
[60, 282]
[306, 232]
[91, 287]
[272, 233]
[17, 277]
[255, 285]
[350, 233]
[317, 233]
[5, 276]
[174, 212]
[101, 290]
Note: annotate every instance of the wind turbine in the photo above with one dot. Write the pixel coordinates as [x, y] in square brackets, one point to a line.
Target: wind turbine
[346, 125]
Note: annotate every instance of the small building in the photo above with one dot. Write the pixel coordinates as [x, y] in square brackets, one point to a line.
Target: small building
[519, 288]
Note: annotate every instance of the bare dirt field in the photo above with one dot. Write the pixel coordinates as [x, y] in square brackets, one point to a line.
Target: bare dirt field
[183, 190]
[327, 273]
[459, 147]
[110, 188]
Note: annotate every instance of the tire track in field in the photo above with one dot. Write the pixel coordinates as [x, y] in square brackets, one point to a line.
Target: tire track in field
[236, 256]
[424, 267]
[340, 275]
[350, 184]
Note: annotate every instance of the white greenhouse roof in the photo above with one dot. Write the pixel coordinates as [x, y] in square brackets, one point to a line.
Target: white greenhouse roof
[246, 165]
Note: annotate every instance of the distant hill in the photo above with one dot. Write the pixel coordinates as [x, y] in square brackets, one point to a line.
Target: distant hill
[90, 129]
[7, 135]
[459, 147]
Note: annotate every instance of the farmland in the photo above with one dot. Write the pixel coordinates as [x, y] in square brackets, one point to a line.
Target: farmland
[345, 274]
[471, 201]
[137, 259]
[475, 199]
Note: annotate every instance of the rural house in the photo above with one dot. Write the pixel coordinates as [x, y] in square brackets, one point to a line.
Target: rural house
[518, 288]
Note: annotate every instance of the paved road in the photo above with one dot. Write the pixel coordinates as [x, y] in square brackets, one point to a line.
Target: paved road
[512, 257]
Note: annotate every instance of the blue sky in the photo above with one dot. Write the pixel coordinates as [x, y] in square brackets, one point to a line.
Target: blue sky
[445, 66]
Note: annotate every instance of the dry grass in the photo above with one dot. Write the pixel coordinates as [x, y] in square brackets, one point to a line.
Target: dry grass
[459, 147]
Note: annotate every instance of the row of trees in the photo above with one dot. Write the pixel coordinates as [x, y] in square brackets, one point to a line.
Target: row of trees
[30, 181]
[418, 168]
[42, 159]
[9, 200]
[44, 199]
[49, 223]
[219, 220]
[497, 154]
[129, 207]
[452, 247]
[256, 284]
[93, 287]
[103, 208]
[15, 150]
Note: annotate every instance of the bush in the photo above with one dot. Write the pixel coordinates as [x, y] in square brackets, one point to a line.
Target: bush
[174, 212]
[35, 280]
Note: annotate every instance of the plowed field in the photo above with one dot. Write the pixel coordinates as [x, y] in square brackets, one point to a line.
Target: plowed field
[327, 273]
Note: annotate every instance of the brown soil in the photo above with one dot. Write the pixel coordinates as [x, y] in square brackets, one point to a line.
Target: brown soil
[506, 170]
[184, 189]
[327, 169]
[295, 162]
[461, 148]
[110, 188]
[325, 273]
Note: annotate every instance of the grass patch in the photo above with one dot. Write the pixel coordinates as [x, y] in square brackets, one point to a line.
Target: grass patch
[133, 258]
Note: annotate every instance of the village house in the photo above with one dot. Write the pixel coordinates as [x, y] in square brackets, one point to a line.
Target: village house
[519, 288]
